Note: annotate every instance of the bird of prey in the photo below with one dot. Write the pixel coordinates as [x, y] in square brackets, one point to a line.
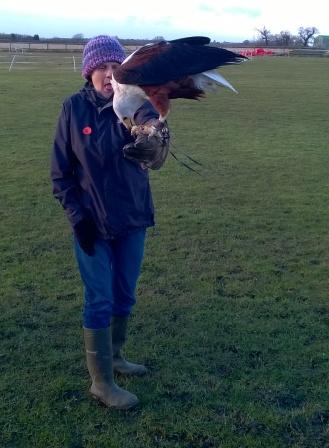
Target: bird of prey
[166, 70]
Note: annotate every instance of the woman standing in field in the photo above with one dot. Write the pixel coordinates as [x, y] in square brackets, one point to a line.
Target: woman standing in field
[103, 185]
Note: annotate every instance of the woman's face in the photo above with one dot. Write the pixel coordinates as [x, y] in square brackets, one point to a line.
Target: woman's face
[101, 78]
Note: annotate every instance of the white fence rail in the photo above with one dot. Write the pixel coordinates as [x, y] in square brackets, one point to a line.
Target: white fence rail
[31, 46]
[72, 61]
[40, 62]
[26, 47]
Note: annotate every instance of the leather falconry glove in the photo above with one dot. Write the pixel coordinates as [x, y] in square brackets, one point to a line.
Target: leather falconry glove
[85, 231]
[151, 145]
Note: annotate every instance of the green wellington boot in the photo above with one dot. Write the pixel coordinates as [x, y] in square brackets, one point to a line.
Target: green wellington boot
[99, 354]
[119, 335]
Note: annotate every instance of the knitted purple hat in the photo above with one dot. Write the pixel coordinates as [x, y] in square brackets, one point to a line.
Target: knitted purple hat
[100, 50]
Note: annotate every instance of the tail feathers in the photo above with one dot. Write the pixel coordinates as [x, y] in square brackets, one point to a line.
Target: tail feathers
[208, 81]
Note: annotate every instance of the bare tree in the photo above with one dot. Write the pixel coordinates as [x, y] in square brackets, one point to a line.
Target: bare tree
[264, 34]
[306, 34]
[286, 38]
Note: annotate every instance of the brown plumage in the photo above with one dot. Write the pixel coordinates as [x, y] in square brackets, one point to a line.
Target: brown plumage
[166, 70]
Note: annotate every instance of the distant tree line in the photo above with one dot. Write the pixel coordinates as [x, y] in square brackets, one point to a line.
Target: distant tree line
[76, 38]
[304, 38]
[14, 37]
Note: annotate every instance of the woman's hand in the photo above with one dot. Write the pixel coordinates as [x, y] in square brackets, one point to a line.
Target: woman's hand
[86, 233]
[151, 146]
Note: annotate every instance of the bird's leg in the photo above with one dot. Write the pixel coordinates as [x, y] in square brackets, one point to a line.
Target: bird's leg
[140, 129]
[151, 128]
[128, 123]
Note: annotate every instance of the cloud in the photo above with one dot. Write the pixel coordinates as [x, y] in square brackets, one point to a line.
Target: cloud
[238, 11]
[234, 20]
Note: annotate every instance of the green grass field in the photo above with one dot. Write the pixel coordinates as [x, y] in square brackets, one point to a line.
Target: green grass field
[232, 316]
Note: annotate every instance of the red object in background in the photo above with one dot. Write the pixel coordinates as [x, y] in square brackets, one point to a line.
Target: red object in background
[256, 52]
[260, 51]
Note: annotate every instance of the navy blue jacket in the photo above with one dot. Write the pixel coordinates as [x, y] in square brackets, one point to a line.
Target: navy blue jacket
[90, 176]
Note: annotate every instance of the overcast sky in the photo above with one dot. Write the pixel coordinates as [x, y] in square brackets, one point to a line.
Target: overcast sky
[221, 20]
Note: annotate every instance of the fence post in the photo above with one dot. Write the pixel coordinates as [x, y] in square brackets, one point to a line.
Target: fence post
[12, 62]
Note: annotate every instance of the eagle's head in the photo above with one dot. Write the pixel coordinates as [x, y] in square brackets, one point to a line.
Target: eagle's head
[126, 100]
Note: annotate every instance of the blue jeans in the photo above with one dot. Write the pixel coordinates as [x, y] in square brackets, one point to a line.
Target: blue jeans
[110, 277]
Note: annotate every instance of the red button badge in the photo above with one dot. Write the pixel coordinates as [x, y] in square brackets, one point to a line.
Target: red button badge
[87, 130]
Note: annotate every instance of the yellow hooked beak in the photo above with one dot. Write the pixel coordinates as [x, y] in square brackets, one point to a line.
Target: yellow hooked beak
[128, 122]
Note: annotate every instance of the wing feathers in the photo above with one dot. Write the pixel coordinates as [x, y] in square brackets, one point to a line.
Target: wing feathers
[193, 40]
[162, 62]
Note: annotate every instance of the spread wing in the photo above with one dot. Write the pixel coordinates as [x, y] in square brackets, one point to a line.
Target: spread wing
[161, 62]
